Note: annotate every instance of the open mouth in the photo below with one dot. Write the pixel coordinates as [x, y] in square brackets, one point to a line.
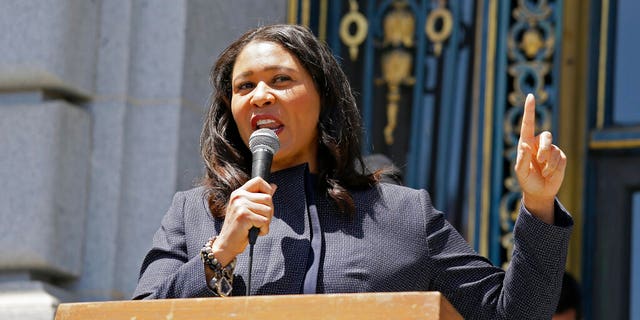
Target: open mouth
[269, 124]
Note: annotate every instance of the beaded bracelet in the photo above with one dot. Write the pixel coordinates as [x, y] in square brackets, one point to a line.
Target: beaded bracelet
[222, 281]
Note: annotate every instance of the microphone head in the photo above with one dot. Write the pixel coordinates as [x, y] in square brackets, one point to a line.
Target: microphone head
[264, 139]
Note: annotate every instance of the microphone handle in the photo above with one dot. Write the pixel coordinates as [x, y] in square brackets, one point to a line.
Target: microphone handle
[261, 163]
[260, 167]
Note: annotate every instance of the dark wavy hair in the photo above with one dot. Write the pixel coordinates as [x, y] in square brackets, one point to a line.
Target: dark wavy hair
[228, 159]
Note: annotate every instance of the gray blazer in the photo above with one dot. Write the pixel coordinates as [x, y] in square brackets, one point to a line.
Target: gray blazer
[396, 241]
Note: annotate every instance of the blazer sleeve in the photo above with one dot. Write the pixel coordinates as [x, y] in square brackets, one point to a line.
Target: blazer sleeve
[167, 271]
[530, 287]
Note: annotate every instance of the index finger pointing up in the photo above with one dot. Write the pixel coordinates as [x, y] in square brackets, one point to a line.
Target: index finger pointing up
[528, 129]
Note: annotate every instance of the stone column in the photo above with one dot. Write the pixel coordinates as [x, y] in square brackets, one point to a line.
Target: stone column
[101, 105]
[47, 73]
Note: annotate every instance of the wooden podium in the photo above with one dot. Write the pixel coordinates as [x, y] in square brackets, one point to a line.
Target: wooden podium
[391, 305]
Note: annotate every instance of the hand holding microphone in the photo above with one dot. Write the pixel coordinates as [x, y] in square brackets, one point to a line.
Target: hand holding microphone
[250, 206]
[263, 144]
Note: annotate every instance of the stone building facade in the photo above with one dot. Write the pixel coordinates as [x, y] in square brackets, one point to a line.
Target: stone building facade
[101, 105]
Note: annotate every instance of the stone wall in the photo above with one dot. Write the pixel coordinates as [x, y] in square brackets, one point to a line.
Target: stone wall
[101, 105]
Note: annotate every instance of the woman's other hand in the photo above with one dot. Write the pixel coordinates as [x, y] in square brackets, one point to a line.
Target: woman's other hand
[540, 166]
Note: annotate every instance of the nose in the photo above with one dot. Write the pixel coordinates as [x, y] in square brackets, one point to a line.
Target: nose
[262, 95]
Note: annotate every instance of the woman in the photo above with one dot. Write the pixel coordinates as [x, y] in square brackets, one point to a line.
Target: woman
[326, 227]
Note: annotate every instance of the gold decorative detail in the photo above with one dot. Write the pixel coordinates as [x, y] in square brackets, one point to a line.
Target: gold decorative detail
[293, 12]
[615, 144]
[353, 40]
[532, 12]
[439, 36]
[305, 10]
[477, 209]
[530, 48]
[540, 70]
[531, 42]
[602, 64]
[399, 26]
[396, 67]
[396, 70]
[322, 20]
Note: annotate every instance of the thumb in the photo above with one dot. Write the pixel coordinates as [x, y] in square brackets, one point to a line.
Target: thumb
[523, 160]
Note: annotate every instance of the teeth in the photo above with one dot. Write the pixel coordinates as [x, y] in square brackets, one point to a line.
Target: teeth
[264, 122]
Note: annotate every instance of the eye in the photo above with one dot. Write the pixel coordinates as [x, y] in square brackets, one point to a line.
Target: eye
[245, 86]
[281, 78]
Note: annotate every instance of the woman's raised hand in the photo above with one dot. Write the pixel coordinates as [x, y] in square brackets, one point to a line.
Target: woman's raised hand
[540, 166]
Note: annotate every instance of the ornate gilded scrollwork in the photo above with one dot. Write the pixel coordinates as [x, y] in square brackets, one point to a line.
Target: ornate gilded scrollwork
[396, 70]
[353, 40]
[442, 17]
[530, 44]
[399, 27]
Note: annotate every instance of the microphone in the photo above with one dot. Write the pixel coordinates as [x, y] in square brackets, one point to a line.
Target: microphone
[263, 144]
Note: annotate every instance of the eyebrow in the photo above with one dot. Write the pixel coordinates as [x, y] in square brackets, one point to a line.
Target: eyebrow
[267, 68]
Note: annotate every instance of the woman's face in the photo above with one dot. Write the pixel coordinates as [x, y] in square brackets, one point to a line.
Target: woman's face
[271, 89]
